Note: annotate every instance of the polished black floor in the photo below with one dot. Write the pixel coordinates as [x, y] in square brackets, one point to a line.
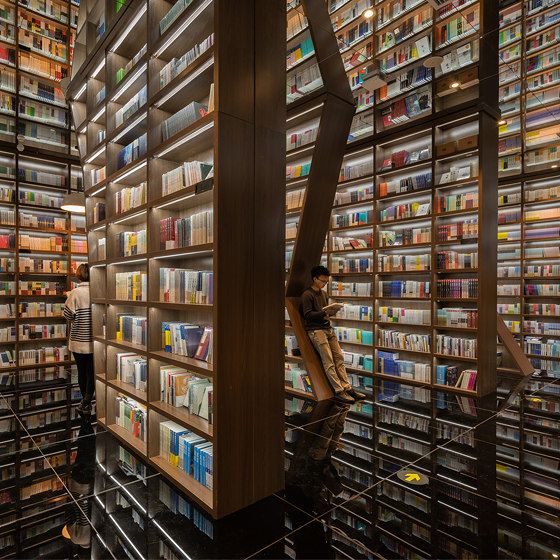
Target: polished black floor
[408, 473]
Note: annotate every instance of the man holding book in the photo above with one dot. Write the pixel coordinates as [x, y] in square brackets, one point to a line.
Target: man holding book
[316, 312]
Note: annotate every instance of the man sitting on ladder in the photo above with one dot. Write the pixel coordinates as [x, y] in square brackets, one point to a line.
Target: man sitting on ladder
[316, 312]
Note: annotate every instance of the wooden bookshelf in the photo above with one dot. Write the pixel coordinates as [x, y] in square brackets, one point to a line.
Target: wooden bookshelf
[440, 127]
[134, 143]
[527, 200]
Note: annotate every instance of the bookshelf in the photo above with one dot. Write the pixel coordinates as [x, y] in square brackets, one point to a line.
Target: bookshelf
[528, 175]
[40, 249]
[406, 218]
[172, 224]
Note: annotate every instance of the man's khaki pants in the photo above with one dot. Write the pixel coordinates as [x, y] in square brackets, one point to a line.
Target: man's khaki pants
[327, 345]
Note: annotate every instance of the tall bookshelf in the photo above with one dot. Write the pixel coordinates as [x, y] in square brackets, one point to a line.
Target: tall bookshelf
[169, 138]
[529, 177]
[424, 140]
[41, 248]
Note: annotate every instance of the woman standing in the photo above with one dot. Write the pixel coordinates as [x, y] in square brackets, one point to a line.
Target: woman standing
[78, 311]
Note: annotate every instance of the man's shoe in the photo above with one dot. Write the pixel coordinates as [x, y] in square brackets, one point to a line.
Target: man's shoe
[356, 395]
[344, 397]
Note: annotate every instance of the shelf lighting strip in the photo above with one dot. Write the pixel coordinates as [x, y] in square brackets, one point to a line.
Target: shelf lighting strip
[186, 139]
[95, 155]
[187, 81]
[130, 81]
[130, 217]
[130, 172]
[130, 127]
[182, 28]
[97, 70]
[130, 28]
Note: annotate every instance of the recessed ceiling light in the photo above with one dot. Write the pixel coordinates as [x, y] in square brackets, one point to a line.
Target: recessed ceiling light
[554, 166]
[455, 85]
[369, 13]
[433, 61]
[503, 121]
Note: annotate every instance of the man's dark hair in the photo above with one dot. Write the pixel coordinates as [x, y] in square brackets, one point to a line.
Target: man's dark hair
[319, 270]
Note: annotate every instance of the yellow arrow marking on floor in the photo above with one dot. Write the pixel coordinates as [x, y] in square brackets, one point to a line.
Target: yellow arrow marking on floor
[409, 477]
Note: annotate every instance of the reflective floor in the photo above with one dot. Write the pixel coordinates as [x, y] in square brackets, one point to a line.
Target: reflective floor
[408, 473]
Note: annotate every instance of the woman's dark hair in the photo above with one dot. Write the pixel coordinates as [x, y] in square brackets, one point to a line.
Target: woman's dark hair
[83, 272]
[319, 270]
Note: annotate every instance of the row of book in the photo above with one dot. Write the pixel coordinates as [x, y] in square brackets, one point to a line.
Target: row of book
[405, 236]
[297, 378]
[357, 289]
[190, 173]
[132, 369]
[7, 264]
[30, 309]
[7, 217]
[352, 219]
[350, 171]
[122, 72]
[343, 265]
[181, 388]
[131, 243]
[130, 197]
[355, 336]
[356, 312]
[39, 199]
[99, 212]
[302, 50]
[389, 363]
[43, 45]
[41, 288]
[456, 346]
[467, 229]
[131, 106]
[415, 77]
[131, 286]
[401, 263]
[185, 117]
[49, 354]
[398, 340]
[37, 332]
[132, 416]
[98, 175]
[403, 315]
[43, 221]
[188, 340]
[172, 14]
[454, 260]
[406, 28]
[131, 328]
[350, 196]
[187, 451]
[403, 289]
[418, 182]
[179, 285]
[176, 65]
[196, 229]
[7, 334]
[457, 317]
[351, 243]
[40, 90]
[408, 108]
[404, 211]
[457, 288]
[455, 202]
[302, 138]
[133, 151]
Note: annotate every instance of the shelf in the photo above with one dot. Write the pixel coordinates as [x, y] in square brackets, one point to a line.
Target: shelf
[197, 366]
[191, 421]
[127, 438]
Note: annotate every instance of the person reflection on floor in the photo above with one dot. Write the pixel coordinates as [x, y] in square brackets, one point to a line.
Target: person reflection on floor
[312, 480]
[78, 529]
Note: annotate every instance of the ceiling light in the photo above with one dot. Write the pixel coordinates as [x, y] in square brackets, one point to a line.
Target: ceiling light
[455, 85]
[433, 61]
[369, 13]
[74, 202]
[554, 166]
[502, 122]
